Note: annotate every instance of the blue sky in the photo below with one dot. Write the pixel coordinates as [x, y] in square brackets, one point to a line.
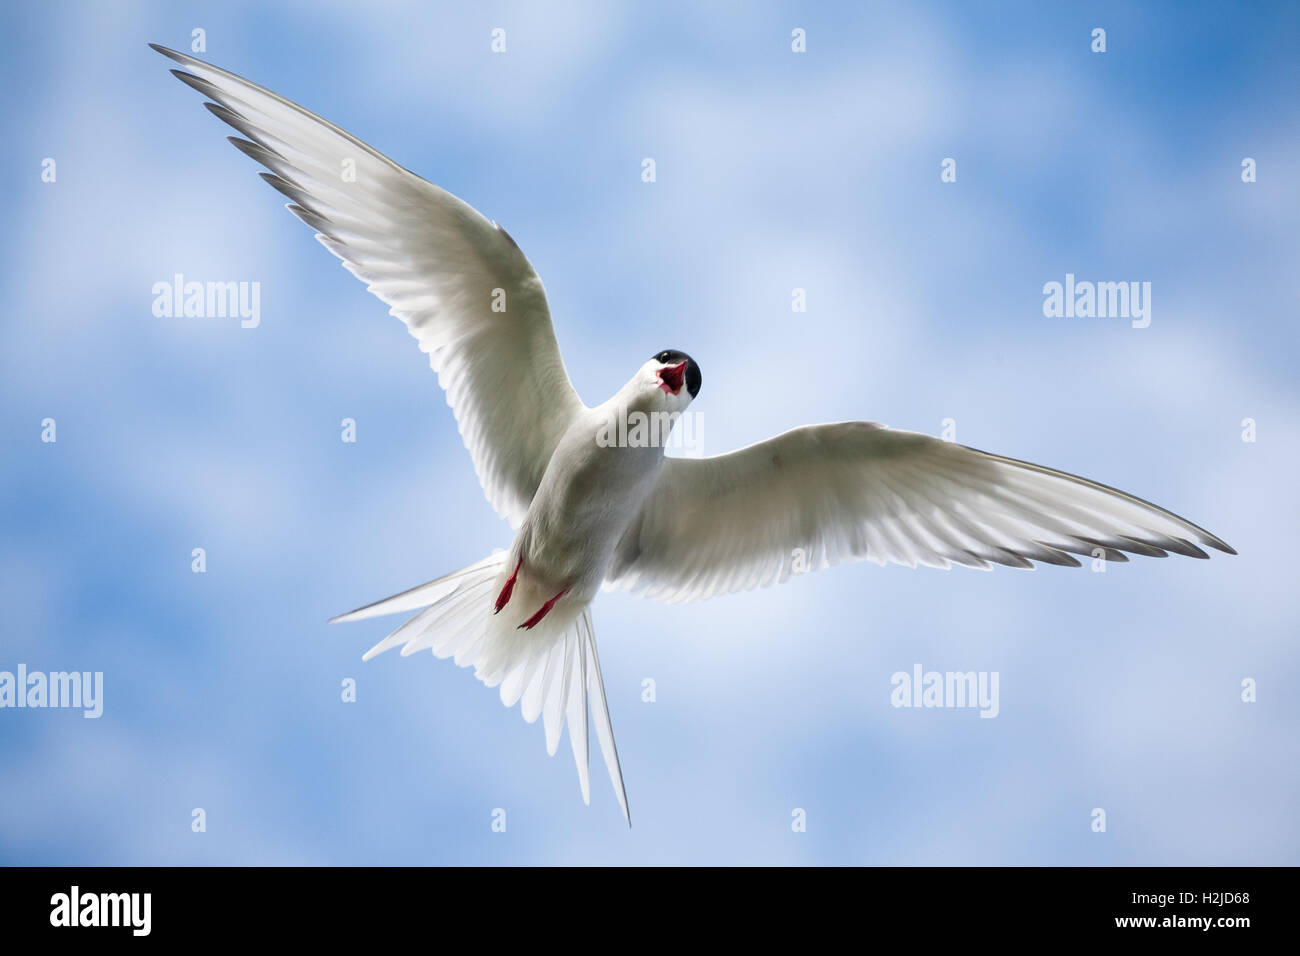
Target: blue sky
[775, 171]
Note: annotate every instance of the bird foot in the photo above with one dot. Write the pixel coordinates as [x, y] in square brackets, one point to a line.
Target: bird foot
[529, 624]
[504, 597]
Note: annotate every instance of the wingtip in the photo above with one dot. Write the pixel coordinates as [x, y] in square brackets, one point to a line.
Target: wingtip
[347, 616]
[1219, 544]
[190, 80]
[170, 53]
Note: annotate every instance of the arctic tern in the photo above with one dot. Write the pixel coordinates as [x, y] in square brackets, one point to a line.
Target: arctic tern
[592, 514]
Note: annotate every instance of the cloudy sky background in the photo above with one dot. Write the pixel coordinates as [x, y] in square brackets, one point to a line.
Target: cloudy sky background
[775, 170]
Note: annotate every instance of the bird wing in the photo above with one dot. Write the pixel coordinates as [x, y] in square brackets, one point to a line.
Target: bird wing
[464, 289]
[827, 494]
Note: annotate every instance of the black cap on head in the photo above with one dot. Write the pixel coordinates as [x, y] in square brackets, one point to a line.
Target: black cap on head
[693, 377]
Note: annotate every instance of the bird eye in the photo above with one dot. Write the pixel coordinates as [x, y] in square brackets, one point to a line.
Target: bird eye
[662, 357]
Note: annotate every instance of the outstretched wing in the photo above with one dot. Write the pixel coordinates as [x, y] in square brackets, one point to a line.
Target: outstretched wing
[827, 494]
[459, 282]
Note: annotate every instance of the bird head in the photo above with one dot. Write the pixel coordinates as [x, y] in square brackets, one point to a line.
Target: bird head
[673, 377]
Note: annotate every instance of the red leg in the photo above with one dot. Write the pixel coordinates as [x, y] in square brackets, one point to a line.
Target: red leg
[532, 621]
[504, 597]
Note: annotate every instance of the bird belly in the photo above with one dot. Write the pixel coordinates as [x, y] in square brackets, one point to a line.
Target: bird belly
[582, 507]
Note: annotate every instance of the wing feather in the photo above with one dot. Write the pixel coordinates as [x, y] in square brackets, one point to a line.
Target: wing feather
[441, 267]
[827, 494]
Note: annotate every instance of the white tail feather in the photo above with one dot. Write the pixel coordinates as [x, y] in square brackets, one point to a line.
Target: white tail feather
[551, 670]
[600, 714]
[421, 596]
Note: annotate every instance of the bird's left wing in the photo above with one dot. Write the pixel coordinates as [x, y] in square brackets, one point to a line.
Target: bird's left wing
[826, 494]
[464, 289]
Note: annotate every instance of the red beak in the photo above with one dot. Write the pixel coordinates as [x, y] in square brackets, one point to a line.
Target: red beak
[671, 378]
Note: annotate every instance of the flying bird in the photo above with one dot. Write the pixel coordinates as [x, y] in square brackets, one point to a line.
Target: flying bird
[589, 513]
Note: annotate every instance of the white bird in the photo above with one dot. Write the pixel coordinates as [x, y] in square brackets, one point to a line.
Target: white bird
[590, 512]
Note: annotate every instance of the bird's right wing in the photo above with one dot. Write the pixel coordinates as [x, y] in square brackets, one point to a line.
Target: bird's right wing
[826, 494]
[464, 289]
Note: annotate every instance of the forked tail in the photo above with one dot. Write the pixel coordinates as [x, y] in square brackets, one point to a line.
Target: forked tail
[552, 671]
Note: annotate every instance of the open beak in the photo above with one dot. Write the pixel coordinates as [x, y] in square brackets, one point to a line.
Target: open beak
[671, 378]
